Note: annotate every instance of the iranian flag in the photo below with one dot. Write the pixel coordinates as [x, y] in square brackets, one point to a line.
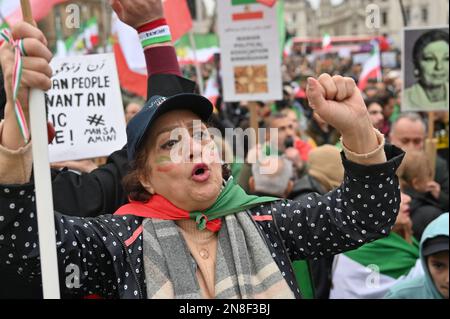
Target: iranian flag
[212, 89]
[371, 270]
[269, 3]
[85, 39]
[287, 51]
[11, 11]
[326, 42]
[372, 67]
[206, 44]
[91, 33]
[178, 17]
[75, 44]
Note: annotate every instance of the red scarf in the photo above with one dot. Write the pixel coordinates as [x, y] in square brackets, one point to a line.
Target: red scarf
[160, 208]
[232, 200]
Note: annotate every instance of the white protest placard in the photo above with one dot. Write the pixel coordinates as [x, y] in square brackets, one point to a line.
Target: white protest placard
[85, 107]
[250, 46]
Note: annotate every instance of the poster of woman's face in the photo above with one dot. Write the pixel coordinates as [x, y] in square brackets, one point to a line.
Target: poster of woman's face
[425, 69]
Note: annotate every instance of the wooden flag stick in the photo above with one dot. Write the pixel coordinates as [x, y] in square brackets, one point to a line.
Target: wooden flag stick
[198, 69]
[254, 120]
[431, 144]
[43, 185]
[430, 125]
[26, 11]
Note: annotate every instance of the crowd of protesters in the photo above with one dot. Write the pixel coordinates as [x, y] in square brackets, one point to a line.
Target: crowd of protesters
[316, 173]
[313, 152]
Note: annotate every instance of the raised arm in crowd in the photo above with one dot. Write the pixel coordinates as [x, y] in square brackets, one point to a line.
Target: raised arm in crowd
[184, 214]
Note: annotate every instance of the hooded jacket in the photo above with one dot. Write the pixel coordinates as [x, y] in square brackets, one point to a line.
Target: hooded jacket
[422, 287]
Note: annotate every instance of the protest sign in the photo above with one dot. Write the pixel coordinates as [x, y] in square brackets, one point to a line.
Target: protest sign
[85, 107]
[425, 69]
[250, 47]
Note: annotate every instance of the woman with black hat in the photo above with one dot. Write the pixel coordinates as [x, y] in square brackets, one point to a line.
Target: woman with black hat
[190, 231]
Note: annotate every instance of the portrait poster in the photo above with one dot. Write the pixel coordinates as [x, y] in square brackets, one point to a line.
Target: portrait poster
[425, 69]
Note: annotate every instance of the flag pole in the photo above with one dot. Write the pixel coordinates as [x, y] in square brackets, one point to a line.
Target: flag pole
[197, 64]
[380, 74]
[431, 144]
[42, 180]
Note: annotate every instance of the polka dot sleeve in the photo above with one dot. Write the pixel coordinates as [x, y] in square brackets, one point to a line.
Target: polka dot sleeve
[85, 266]
[362, 209]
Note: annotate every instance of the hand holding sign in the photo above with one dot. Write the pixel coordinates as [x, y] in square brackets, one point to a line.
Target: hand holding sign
[340, 103]
[36, 73]
[137, 12]
[31, 74]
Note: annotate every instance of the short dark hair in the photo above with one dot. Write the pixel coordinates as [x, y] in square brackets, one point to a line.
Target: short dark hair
[370, 101]
[274, 116]
[386, 97]
[424, 40]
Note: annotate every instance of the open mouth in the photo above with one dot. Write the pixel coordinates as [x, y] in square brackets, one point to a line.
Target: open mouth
[200, 173]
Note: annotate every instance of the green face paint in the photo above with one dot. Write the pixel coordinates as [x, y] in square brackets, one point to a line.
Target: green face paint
[164, 163]
[163, 160]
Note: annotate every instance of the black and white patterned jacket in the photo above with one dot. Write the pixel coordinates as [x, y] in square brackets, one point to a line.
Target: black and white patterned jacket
[107, 250]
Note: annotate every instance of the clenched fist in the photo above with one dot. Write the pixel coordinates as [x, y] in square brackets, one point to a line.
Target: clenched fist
[340, 103]
[136, 13]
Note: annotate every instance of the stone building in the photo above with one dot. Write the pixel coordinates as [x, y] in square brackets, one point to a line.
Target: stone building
[357, 17]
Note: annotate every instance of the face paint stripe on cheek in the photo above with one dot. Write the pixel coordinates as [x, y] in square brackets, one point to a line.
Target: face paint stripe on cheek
[164, 164]
[163, 160]
[165, 168]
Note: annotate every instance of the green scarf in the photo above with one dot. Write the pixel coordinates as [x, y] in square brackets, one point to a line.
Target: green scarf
[231, 200]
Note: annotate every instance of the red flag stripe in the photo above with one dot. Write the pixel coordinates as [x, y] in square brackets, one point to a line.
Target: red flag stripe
[257, 15]
[178, 17]
[131, 81]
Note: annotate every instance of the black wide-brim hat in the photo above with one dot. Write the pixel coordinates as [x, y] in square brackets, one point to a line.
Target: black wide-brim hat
[158, 105]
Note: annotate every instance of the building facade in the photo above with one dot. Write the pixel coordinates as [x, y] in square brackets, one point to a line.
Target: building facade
[350, 17]
[363, 17]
